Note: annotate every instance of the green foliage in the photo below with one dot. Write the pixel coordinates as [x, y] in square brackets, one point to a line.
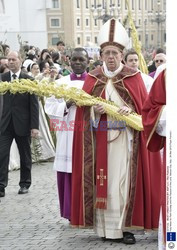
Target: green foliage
[21, 50]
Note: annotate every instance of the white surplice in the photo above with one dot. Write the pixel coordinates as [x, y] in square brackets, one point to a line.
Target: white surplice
[148, 81]
[56, 109]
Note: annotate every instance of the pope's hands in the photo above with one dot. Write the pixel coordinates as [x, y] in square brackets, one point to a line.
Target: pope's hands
[99, 109]
[124, 110]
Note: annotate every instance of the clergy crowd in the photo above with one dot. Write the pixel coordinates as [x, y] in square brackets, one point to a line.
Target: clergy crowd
[112, 179]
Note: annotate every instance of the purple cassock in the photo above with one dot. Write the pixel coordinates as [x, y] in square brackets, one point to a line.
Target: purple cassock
[64, 191]
[80, 77]
[152, 74]
[64, 179]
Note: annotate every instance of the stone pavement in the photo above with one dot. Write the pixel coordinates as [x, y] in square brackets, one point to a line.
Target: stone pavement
[32, 221]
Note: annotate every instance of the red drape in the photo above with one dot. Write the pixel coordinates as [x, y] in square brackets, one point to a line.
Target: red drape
[151, 113]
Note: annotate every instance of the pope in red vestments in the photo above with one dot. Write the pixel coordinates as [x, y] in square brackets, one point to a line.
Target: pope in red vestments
[151, 114]
[95, 190]
[144, 195]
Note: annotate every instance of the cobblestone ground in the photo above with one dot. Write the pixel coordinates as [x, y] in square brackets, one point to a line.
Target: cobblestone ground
[32, 221]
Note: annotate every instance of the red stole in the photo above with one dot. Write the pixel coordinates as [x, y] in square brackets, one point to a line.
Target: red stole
[101, 165]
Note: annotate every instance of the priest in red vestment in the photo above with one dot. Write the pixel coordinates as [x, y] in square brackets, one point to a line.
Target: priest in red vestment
[113, 182]
[154, 122]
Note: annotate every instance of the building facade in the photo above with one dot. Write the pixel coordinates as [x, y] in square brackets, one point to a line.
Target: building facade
[77, 22]
[23, 22]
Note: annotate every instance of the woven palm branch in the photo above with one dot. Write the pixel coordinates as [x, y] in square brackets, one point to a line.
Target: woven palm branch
[80, 97]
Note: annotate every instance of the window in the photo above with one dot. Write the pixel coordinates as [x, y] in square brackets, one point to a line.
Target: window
[55, 22]
[133, 4]
[139, 37]
[140, 4]
[146, 39]
[55, 4]
[139, 21]
[54, 40]
[164, 37]
[96, 40]
[78, 21]
[146, 6]
[86, 4]
[78, 40]
[152, 37]
[87, 21]
[78, 3]
[152, 4]
[95, 3]
[95, 22]
[88, 38]
[118, 2]
[126, 7]
[164, 4]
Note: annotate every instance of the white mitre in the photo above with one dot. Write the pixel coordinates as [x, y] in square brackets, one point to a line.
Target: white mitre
[113, 33]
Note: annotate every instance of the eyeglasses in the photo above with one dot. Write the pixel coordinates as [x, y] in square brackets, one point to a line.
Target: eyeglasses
[111, 52]
[159, 61]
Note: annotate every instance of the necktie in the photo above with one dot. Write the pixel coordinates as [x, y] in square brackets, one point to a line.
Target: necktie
[14, 76]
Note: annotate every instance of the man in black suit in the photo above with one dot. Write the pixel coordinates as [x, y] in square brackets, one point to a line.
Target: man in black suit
[19, 120]
[1, 102]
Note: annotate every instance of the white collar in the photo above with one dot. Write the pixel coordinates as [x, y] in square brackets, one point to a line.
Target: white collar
[111, 74]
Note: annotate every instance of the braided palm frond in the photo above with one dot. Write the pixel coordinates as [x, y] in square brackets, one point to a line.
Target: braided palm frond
[80, 97]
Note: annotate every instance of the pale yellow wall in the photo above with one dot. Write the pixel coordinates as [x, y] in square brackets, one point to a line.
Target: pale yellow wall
[69, 31]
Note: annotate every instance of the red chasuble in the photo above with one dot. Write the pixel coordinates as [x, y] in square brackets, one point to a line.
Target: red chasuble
[90, 156]
[150, 114]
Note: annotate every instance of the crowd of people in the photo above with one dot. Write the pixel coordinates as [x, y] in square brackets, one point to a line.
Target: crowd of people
[106, 177]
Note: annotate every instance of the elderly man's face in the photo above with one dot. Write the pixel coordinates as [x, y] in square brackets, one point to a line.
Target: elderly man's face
[14, 62]
[159, 59]
[112, 56]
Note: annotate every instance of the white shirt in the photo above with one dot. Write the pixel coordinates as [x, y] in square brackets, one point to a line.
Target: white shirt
[17, 74]
[148, 81]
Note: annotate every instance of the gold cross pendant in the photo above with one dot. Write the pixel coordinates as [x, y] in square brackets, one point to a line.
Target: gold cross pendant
[101, 177]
